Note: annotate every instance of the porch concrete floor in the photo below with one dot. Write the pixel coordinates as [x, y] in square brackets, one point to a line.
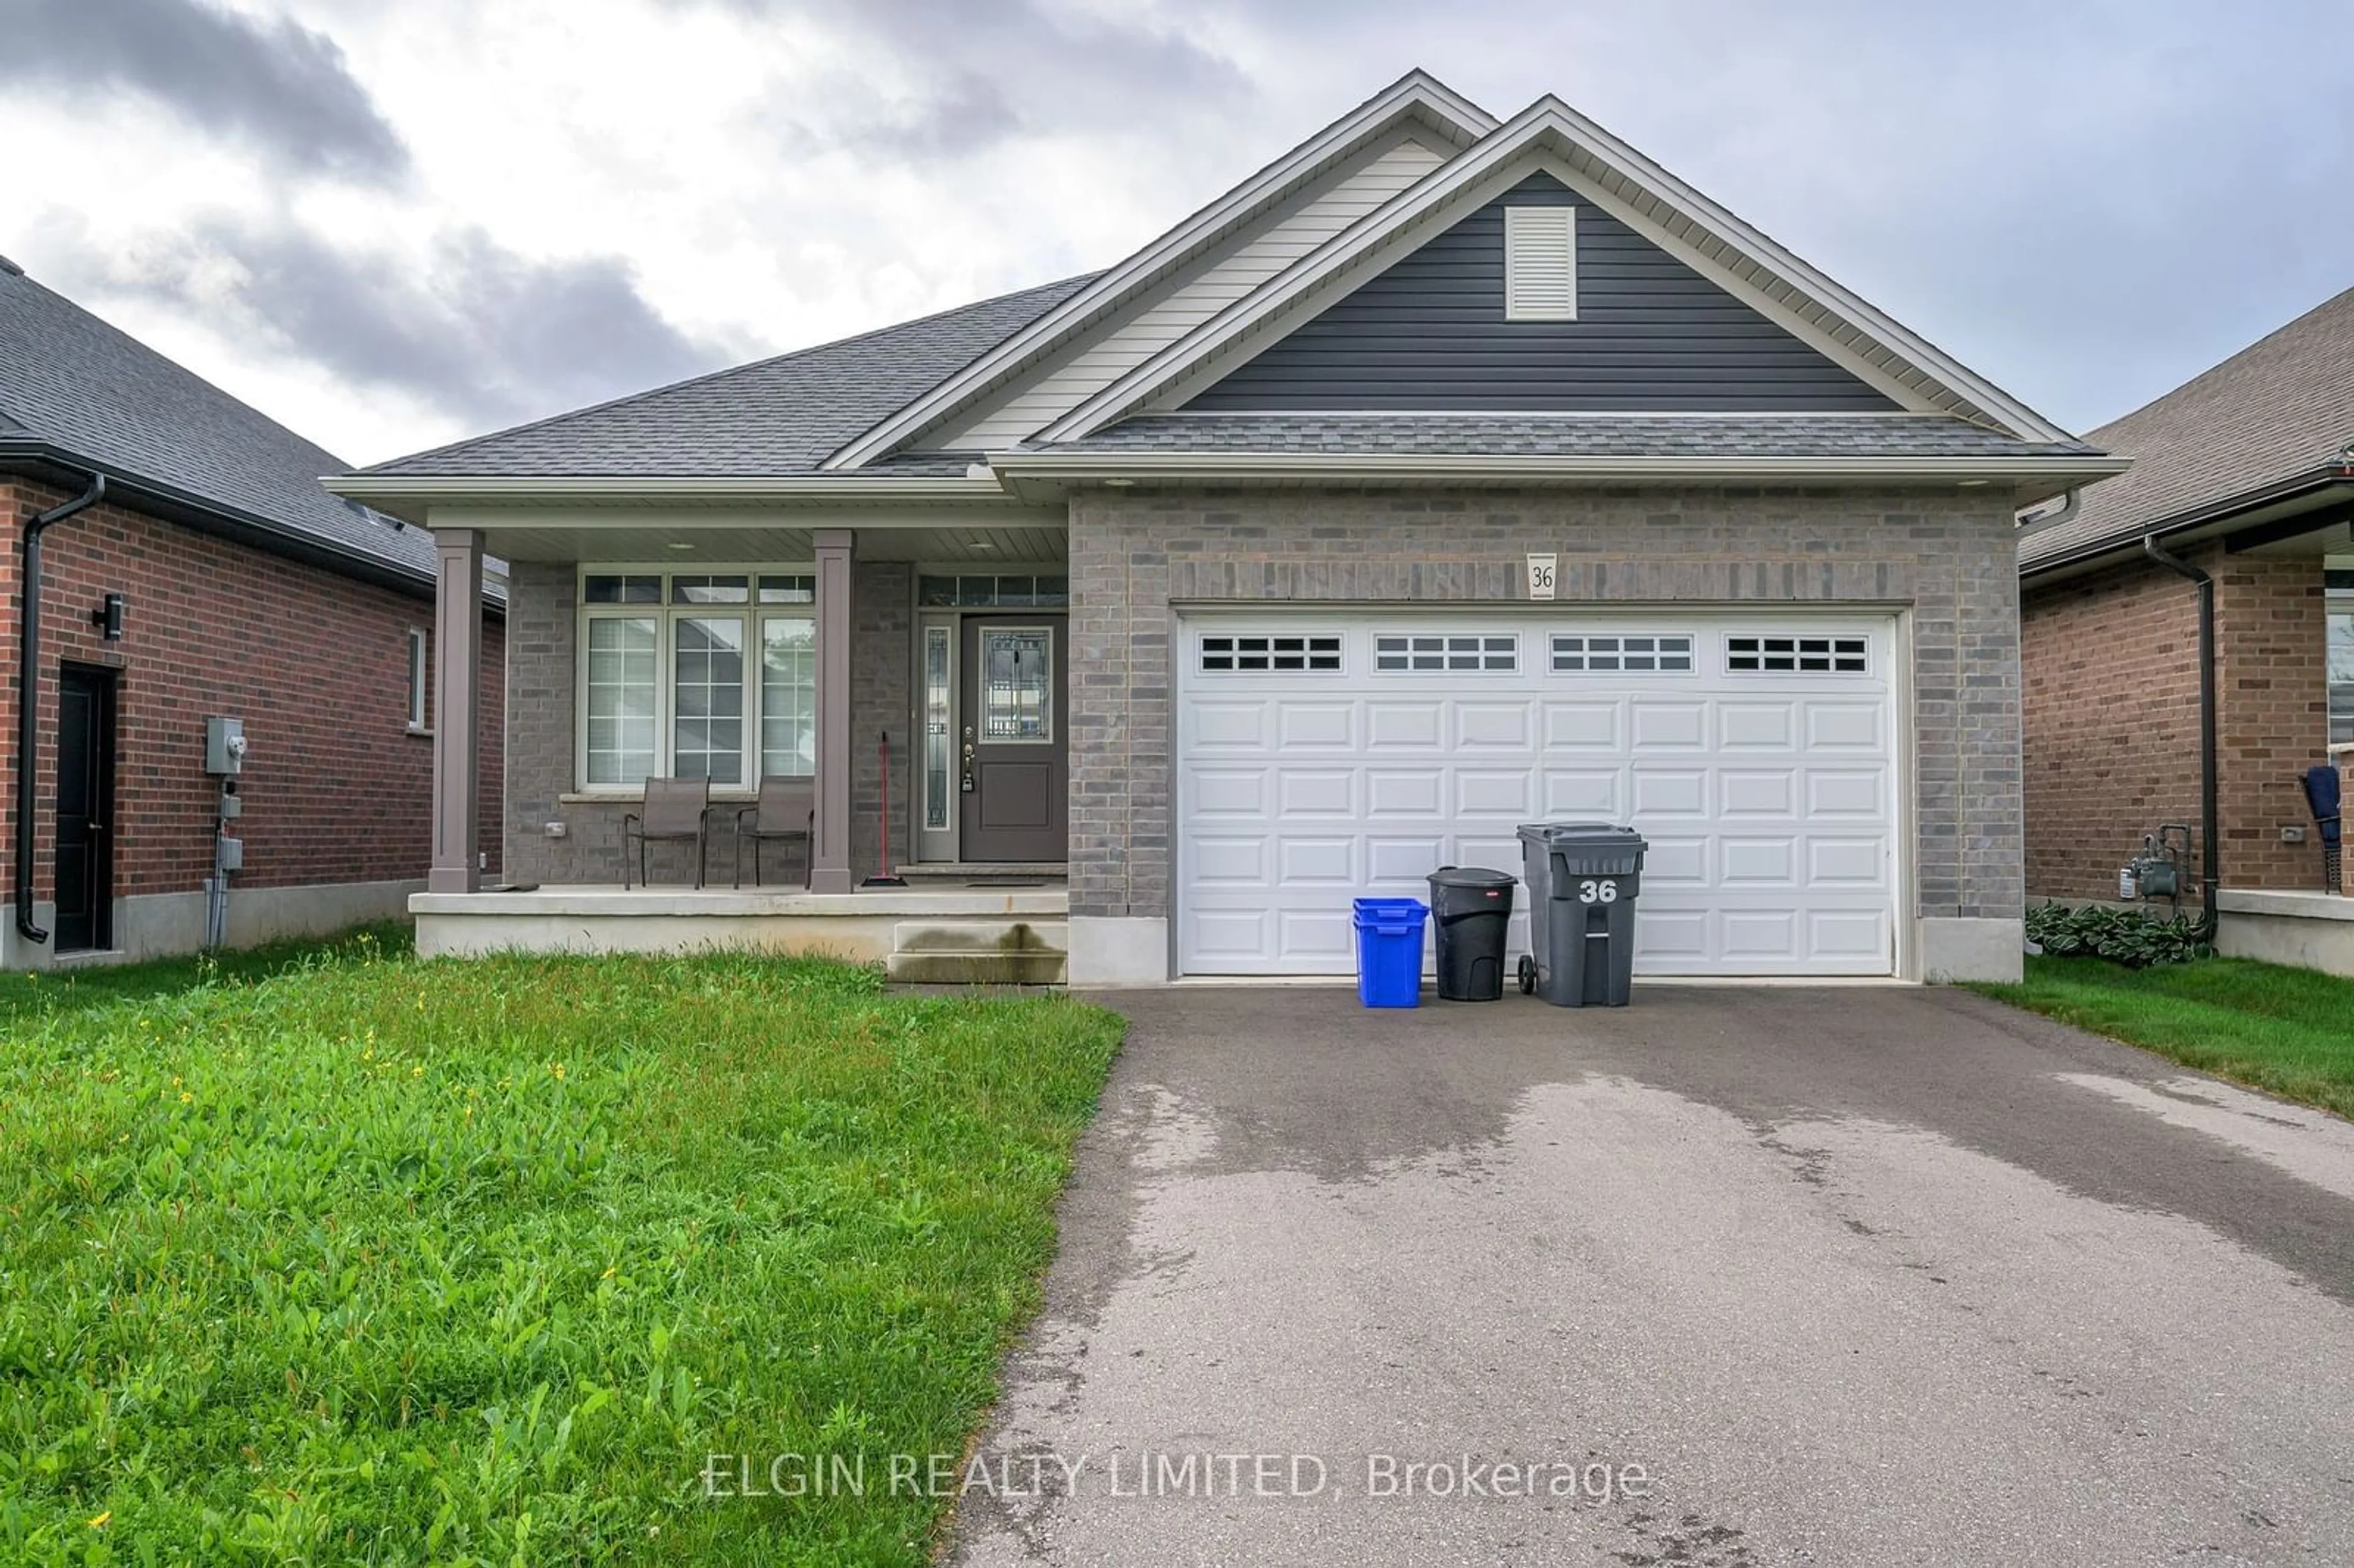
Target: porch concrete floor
[610, 898]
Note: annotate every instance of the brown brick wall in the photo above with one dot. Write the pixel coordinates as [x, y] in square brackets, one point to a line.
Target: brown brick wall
[337, 790]
[545, 625]
[2112, 718]
[2111, 724]
[2273, 695]
[1949, 556]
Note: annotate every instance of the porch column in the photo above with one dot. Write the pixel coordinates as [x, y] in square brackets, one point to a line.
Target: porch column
[456, 710]
[830, 854]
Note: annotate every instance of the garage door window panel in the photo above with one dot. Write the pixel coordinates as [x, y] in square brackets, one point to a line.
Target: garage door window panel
[1446, 653]
[1800, 655]
[1270, 653]
[1622, 653]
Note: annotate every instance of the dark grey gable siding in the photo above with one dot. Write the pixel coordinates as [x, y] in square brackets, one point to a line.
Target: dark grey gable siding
[1651, 336]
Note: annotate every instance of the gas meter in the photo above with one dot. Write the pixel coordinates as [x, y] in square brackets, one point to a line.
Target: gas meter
[2162, 868]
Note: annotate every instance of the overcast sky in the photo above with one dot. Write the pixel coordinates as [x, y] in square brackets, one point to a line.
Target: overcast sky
[392, 223]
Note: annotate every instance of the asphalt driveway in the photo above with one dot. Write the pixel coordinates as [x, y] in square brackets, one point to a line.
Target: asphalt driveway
[1763, 1276]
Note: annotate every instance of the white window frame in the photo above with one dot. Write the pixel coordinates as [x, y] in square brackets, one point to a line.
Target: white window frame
[1798, 650]
[1689, 653]
[1447, 653]
[2337, 607]
[1540, 264]
[1338, 654]
[665, 616]
[420, 681]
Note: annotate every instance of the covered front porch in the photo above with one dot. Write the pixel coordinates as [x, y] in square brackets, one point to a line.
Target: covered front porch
[903, 679]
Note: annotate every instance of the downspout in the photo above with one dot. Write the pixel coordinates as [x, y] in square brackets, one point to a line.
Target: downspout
[2208, 859]
[2060, 513]
[28, 697]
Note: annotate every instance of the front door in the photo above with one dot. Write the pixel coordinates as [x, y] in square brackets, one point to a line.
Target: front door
[85, 808]
[1013, 782]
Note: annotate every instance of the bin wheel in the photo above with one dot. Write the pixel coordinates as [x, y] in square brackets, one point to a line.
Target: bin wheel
[1528, 974]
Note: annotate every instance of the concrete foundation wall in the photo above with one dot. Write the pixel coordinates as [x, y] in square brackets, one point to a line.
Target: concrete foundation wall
[2309, 930]
[171, 924]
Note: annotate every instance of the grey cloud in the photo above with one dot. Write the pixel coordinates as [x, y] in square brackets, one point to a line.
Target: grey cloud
[985, 74]
[486, 335]
[276, 85]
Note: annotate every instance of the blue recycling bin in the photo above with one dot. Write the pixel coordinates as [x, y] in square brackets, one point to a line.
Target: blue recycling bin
[1389, 950]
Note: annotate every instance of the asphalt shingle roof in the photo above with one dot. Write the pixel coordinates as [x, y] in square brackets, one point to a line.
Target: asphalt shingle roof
[2280, 407]
[69, 380]
[1570, 435]
[779, 415]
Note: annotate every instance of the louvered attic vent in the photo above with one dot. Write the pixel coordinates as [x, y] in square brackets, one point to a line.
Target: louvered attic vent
[1540, 264]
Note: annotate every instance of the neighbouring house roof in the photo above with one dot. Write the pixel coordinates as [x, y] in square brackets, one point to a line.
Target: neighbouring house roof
[76, 393]
[1617, 435]
[775, 417]
[2278, 410]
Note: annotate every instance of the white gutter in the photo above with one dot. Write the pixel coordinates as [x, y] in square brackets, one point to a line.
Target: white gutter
[974, 484]
[1102, 465]
[408, 497]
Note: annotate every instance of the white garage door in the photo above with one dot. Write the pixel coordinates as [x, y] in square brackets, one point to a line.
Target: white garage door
[1320, 759]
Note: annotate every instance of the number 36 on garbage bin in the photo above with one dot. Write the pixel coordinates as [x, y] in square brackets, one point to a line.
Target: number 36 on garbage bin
[1604, 891]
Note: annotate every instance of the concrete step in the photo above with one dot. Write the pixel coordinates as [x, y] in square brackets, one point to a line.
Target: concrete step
[979, 951]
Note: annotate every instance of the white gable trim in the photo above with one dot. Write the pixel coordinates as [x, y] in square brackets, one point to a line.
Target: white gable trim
[1416, 96]
[1550, 135]
[1235, 268]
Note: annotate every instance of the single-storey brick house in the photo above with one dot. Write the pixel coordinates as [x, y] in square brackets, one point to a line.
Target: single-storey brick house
[1446, 474]
[2245, 476]
[211, 577]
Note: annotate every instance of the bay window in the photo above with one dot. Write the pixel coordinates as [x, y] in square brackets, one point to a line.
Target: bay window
[698, 675]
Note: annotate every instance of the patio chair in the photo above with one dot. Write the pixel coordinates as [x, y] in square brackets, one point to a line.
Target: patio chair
[786, 809]
[676, 811]
[2324, 792]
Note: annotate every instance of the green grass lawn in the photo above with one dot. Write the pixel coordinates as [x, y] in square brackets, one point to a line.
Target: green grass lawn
[339, 1257]
[2287, 1030]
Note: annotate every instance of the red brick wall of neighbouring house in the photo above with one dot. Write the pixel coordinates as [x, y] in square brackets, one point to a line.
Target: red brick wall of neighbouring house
[2273, 692]
[335, 788]
[2112, 718]
[2111, 683]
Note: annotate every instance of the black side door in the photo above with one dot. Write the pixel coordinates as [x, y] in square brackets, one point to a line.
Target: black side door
[85, 808]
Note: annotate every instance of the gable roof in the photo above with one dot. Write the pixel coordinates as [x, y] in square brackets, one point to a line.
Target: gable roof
[1549, 135]
[1417, 97]
[76, 393]
[856, 422]
[2280, 409]
[776, 417]
[1649, 334]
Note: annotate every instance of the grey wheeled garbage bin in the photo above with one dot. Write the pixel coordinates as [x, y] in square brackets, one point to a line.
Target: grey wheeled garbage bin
[1582, 878]
[1470, 909]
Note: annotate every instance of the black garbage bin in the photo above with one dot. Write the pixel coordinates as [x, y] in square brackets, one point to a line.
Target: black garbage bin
[1582, 878]
[1470, 907]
